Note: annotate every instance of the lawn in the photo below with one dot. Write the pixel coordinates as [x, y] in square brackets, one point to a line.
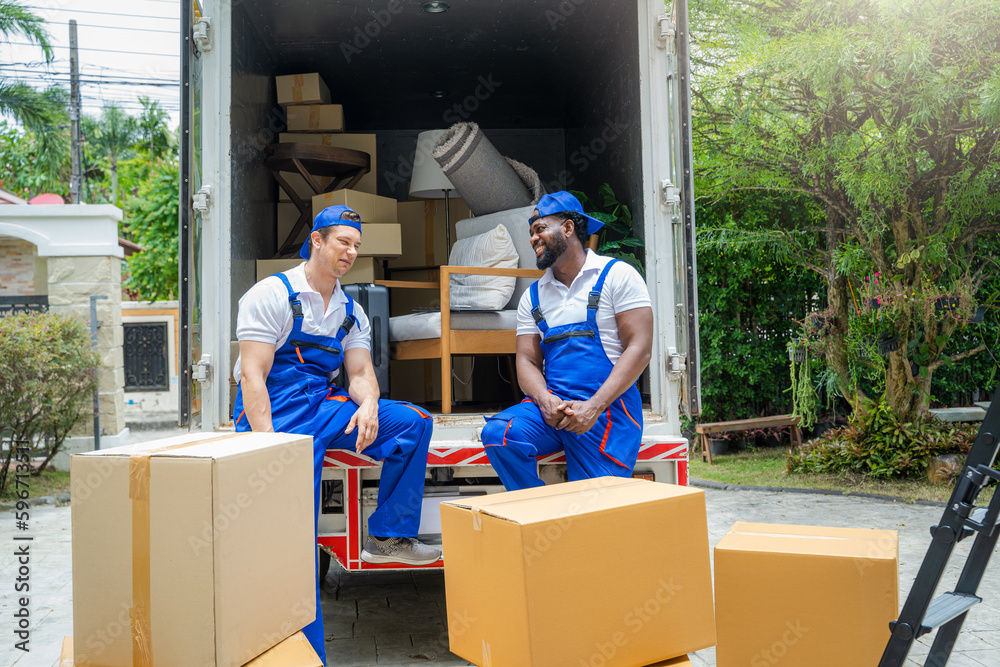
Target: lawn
[49, 483]
[766, 467]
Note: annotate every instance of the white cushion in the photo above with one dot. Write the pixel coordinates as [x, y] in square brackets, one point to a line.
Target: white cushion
[420, 326]
[516, 222]
[494, 248]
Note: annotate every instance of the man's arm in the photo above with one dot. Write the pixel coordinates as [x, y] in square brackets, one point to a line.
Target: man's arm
[365, 392]
[255, 364]
[532, 380]
[635, 330]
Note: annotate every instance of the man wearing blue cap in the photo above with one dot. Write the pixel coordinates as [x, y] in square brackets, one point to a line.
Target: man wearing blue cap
[584, 335]
[296, 330]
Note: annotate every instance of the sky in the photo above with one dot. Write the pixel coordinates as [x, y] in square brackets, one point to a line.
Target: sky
[127, 48]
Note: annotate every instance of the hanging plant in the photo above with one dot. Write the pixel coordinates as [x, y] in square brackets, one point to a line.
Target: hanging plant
[805, 399]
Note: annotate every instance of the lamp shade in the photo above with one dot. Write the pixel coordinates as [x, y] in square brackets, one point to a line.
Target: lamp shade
[428, 181]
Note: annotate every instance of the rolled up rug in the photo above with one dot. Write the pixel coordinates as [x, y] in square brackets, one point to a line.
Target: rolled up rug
[487, 181]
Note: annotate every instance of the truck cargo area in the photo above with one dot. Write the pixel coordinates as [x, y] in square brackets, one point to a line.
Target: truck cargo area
[552, 88]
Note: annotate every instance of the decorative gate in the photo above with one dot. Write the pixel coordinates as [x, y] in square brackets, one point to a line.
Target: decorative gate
[146, 357]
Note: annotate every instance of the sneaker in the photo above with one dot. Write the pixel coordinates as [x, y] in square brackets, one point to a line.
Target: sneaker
[406, 550]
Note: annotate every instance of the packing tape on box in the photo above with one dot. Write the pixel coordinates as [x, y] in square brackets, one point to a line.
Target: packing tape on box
[326, 139]
[297, 81]
[138, 493]
[477, 519]
[314, 117]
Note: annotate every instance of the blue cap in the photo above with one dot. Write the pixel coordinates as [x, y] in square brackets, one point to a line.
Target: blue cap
[329, 217]
[559, 202]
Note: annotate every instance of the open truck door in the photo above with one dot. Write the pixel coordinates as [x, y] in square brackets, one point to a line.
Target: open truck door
[204, 223]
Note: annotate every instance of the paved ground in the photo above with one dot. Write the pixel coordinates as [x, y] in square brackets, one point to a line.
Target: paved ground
[400, 619]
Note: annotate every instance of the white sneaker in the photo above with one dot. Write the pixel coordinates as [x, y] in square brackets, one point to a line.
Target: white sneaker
[406, 550]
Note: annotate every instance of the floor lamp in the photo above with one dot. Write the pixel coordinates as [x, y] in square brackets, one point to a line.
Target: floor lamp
[428, 181]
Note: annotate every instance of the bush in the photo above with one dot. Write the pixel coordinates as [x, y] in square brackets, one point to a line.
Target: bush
[48, 373]
[877, 443]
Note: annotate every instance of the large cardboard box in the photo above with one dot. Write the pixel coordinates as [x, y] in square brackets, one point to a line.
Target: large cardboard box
[423, 231]
[807, 595]
[296, 651]
[371, 208]
[315, 117]
[359, 142]
[419, 380]
[302, 89]
[365, 269]
[194, 550]
[610, 569]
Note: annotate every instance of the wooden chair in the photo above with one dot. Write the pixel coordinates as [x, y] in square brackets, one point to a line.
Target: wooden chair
[470, 332]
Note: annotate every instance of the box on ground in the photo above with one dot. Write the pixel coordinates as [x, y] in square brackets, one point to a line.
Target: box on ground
[194, 550]
[315, 117]
[296, 651]
[365, 143]
[365, 269]
[423, 231]
[371, 208]
[302, 89]
[807, 595]
[682, 661]
[609, 569]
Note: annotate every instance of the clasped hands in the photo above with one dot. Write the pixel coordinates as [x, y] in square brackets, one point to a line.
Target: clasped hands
[574, 416]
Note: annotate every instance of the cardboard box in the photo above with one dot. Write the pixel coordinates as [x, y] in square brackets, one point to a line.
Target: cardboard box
[365, 269]
[201, 547]
[610, 569]
[811, 596]
[371, 208]
[300, 186]
[423, 231]
[296, 651]
[419, 380]
[359, 142]
[302, 89]
[682, 661]
[315, 117]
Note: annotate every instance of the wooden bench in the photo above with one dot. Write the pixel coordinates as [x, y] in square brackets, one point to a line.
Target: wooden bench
[778, 421]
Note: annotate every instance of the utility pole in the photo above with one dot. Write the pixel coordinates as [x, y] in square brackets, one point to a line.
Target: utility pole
[76, 173]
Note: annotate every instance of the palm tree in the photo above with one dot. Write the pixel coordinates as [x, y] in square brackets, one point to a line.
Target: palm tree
[114, 136]
[30, 107]
[154, 135]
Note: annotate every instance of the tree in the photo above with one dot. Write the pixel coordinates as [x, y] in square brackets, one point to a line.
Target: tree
[111, 138]
[21, 101]
[886, 114]
[153, 224]
[155, 138]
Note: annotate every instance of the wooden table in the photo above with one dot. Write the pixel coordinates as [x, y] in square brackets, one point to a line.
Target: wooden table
[345, 166]
[778, 421]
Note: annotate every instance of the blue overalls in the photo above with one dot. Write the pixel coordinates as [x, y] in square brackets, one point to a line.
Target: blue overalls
[304, 401]
[575, 367]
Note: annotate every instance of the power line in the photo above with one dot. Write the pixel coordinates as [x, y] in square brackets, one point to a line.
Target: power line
[121, 27]
[131, 53]
[45, 77]
[84, 11]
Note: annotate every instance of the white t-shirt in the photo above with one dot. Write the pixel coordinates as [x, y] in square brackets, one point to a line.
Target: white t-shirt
[265, 315]
[624, 289]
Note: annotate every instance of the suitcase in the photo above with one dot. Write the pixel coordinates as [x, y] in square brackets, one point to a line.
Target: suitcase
[374, 300]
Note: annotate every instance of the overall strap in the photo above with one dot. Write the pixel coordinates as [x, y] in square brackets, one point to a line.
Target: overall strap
[595, 294]
[349, 321]
[293, 296]
[536, 310]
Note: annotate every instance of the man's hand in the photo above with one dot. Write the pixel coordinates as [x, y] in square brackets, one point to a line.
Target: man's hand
[580, 416]
[552, 408]
[365, 419]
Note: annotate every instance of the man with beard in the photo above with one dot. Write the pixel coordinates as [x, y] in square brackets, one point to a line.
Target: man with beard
[584, 335]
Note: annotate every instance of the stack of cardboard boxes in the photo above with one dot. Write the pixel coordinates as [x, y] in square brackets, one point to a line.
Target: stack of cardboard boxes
[195, 550]
[313, 119]
[615, 572]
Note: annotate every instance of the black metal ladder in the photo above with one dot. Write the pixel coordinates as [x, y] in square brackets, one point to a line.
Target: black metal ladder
[923, 613]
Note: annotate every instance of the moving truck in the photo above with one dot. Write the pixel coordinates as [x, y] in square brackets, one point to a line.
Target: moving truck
[585, 92]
